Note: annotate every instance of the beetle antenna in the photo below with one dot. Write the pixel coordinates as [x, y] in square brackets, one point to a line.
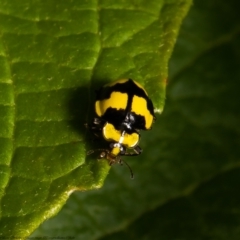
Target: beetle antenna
[130, 169]
[113, 160]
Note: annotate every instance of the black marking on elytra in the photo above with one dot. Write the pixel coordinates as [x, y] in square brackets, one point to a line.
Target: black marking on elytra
[128, 87]
[117, 117]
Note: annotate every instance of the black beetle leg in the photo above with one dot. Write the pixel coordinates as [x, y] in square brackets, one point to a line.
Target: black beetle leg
[137, 150]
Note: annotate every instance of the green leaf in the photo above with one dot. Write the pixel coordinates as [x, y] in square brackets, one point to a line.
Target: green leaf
[186, 182]
[53, 55]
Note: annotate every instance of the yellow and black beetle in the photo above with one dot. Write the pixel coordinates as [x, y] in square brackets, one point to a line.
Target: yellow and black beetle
[123, 109]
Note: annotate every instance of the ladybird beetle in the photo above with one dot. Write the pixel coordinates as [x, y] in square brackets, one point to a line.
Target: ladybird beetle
[123, 108]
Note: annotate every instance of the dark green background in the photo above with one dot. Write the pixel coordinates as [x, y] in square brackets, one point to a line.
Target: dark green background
[187, 181]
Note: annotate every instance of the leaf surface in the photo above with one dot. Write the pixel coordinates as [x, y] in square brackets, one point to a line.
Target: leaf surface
[186, 182]
[53, 55]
